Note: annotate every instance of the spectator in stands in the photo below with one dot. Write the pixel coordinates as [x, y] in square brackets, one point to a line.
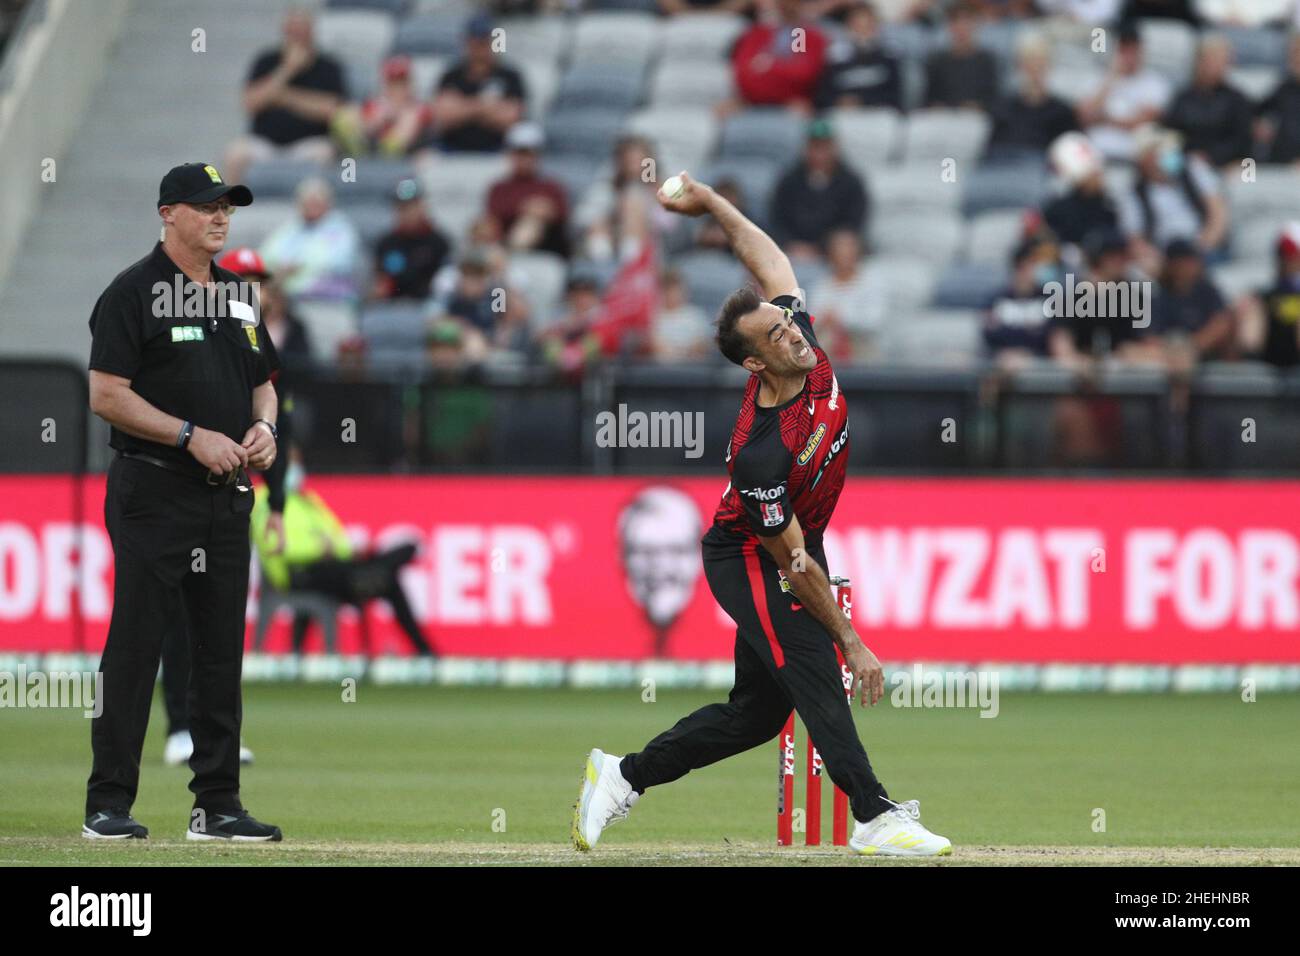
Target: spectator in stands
[393, 123]
[622, 214]
[818, 195]
[859, 73]
[1247, 13]
[850, 307]
[1130, 96]
[571, 344]
[473, 300]
[409, 255]
[1086, 208]
[451, 345]
[1088, 431]
[1175, 196]
[1015, 323]
[1278, 122]
[288, 333]
[962, 75]
[477, 293]
[315, 253]
[1165, 10]
[681, 332]
[708, 233]
[1027, 121]
[291, 97]
[778, 61]
[1213, 117]
[479, 98]
[1089, 12]
[530, 211]
[1190, 314]
[1270, 320]
[1076, 340]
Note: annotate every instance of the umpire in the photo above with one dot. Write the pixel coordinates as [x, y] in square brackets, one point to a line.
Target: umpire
[182, 371]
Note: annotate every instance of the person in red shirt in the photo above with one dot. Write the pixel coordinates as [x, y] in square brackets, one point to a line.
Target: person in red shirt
[397, 120]
[530, 211]
[766, 566]
[778, 61]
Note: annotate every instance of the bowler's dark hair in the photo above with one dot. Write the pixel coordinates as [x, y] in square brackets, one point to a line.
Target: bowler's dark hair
[731, 341]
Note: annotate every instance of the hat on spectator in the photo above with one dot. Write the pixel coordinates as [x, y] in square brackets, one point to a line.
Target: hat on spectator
[444, 331]
[397, 67]
[1074, 157]
[407, 190]
[245, 262]
[527, 136]
[197, 183]
[1151, 136]
[479, 26]
[1182, 249]
[1103, 242]
[1288, 240]
[821, 129]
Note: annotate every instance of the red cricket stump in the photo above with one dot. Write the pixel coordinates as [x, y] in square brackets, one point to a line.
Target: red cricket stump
[813, 798]
[840, 809]
[814, 769]
[785, 785]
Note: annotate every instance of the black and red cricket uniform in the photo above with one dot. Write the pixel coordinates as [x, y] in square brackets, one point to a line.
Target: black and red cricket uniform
[784, 461]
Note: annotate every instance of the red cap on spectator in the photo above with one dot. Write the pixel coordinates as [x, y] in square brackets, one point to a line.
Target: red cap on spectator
[397, 67]
[1288, 242]
[243, 261]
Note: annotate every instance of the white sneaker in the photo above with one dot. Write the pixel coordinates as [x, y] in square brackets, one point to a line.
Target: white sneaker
[605, 798]
[245, 755]
[898, 832]
[179, 749]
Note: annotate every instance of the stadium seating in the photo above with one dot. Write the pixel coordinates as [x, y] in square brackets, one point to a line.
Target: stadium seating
[433, 34]
[625, 40]
[969, 285]
[945, 134]
[774, 134]
[705, 37]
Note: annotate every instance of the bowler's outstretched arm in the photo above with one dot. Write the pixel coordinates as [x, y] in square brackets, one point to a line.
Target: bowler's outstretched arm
[752, 246]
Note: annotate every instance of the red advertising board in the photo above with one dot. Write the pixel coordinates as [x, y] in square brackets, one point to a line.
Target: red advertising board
[609, 568]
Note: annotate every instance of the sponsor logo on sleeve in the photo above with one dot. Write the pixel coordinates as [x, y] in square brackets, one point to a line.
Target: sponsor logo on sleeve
[765, 494]
[773, 515]
[814, 440]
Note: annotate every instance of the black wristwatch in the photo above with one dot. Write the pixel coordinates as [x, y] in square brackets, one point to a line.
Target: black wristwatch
[186, 433]
[270, 425]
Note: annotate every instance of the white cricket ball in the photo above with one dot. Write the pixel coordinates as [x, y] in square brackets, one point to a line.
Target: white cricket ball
[672, 187]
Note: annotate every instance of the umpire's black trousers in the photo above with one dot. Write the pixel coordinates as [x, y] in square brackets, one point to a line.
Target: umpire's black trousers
[181, 556]
[784, 660]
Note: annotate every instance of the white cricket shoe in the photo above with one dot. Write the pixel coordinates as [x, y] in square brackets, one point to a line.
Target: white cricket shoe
[605, 798]
[245, 755]
[179, 749]
[898, 832]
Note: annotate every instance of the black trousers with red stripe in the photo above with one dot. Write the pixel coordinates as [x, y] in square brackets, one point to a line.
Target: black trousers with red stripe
[784, 660]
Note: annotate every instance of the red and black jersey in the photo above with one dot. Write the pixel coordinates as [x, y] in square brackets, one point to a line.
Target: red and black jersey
[786, 460]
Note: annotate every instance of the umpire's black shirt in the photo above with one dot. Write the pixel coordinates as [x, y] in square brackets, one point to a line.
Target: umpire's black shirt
[199, 367]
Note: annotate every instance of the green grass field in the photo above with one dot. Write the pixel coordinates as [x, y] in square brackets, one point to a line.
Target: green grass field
[462, 775]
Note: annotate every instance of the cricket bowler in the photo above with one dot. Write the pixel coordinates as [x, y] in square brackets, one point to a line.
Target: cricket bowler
[765, 564]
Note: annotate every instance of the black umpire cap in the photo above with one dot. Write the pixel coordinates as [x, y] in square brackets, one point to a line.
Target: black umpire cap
[199, 182]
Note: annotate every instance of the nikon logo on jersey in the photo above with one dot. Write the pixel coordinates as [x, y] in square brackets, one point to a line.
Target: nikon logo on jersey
[187, 333]
[810, 449]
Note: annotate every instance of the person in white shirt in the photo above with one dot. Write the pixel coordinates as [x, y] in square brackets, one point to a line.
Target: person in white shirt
[849, 306]
[1130, 96]
[314, 254]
